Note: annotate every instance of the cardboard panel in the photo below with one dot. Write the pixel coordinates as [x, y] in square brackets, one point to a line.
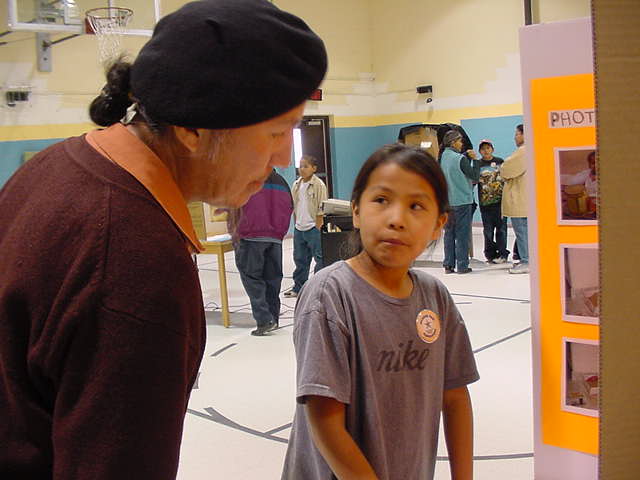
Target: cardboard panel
[617, 54]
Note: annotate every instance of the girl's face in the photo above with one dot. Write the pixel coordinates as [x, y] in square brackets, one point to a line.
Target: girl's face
[397, 216]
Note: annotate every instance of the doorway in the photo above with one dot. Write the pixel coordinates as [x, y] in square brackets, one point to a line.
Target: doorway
[314, 140]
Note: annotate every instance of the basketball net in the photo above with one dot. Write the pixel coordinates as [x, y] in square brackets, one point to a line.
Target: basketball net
[108, 24]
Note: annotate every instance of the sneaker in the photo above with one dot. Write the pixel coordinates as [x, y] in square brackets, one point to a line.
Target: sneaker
[520, 268]
[262, 331]
[500, 260]
[491, 261]
[465, 270]
[291, 293]
[448, 270]
[273, 326]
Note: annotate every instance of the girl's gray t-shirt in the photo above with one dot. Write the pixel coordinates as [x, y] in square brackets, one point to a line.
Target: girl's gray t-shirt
[388, 360]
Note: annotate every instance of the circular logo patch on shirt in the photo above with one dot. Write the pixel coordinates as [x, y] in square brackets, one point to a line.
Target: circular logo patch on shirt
[428, 326]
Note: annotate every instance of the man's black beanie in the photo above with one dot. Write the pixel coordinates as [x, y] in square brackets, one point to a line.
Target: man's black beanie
[227, 63]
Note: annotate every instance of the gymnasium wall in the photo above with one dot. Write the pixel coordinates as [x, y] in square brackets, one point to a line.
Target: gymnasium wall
[468, 52]
[379, 51]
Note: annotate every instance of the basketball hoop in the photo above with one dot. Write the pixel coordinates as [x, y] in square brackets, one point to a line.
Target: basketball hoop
[108, 25]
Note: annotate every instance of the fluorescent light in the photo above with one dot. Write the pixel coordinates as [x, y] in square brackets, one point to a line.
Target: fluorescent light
[297, 147]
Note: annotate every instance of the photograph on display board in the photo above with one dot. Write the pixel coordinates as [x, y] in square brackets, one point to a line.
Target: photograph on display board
[577, 185]
[580, 278]
[580, 385]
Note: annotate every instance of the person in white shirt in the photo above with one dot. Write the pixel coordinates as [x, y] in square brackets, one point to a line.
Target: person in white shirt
[308, 194]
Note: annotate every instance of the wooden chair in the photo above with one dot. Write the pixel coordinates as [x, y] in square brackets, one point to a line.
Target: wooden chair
[211, 246]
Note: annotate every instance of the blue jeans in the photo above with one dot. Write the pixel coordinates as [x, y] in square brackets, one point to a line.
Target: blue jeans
[520, 226]
[306, 245]
[456, 237]
[260, 267]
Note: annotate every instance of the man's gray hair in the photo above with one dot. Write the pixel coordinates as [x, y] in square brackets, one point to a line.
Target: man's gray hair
[450, 137]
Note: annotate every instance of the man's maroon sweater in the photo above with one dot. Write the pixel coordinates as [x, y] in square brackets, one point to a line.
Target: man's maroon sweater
[101, 323]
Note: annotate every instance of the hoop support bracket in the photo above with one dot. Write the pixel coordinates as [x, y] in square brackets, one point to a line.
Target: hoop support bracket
[60, 40]
[44, 51]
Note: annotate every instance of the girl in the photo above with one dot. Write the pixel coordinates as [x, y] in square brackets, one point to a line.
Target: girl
[382, 349]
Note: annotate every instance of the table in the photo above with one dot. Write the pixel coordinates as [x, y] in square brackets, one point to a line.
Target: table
[219, 249]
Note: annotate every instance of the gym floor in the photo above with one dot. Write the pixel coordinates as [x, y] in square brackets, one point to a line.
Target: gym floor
[239, 415]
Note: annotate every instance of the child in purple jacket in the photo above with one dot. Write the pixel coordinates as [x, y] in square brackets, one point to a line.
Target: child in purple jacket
[262, 224]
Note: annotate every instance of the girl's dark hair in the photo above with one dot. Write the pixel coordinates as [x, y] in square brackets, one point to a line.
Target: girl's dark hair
[410, 158]
[114, 99]
[520, 128]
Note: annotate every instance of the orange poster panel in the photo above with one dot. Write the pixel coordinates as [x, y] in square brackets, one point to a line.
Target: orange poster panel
[563, 118]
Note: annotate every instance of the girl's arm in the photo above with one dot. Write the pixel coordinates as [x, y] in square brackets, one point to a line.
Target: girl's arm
[458, 432]
[327, 421]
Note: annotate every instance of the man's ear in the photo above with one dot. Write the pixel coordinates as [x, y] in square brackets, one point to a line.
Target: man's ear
[355, 210]
[189, 137]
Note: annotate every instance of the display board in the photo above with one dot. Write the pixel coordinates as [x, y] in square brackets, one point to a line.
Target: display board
[563, 133]
[560, 144]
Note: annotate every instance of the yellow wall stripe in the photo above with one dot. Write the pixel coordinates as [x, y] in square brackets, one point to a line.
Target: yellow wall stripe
[41, 132]
[433, 116]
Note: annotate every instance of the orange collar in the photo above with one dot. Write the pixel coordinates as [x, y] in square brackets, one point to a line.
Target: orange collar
[126, 150]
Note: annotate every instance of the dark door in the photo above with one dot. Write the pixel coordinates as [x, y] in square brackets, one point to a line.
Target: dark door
[314, 131]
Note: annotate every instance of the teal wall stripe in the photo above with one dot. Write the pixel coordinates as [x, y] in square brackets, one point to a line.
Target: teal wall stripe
[500, 131]
[350, 147]
[11, 154]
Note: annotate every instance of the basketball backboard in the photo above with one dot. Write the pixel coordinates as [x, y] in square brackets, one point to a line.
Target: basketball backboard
[67, 16]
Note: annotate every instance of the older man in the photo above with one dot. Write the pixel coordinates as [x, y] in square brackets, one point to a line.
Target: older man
[461, 171]
[101, 318]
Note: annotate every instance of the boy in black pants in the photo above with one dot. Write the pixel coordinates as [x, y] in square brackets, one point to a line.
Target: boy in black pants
[490, 196]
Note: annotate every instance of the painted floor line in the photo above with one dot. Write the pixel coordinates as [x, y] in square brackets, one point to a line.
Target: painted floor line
[215, 354]
[497, 342]
[217, 417]
[521, 300]
[508, 456]
[279, 429]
